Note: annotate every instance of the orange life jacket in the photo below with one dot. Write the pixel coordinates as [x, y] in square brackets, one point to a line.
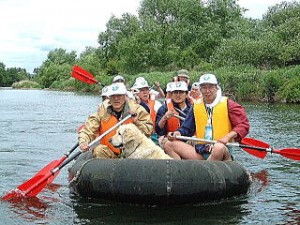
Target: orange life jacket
[104, 126]
[151, 103]
[173, 123]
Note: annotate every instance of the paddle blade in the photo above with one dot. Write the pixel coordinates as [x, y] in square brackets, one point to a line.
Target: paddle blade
[34, 186]
[83, 75]
[48, 168]
[38, 182]
[291, 153]
[28, 189]
[14, 194]
[256, 143]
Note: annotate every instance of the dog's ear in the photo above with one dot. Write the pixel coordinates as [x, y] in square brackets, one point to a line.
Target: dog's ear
[129, 134]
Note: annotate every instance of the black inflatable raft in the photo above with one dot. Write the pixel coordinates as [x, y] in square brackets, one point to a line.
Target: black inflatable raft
[157, 182]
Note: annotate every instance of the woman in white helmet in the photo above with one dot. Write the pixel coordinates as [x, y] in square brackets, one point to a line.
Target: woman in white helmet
[171, 115]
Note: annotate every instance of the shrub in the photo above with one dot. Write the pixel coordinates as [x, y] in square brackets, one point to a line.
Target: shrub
[26, 84]
[290, 91]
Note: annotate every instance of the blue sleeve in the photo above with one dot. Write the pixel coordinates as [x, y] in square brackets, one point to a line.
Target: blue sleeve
[188, 127]
[160, 113]
[145, 106]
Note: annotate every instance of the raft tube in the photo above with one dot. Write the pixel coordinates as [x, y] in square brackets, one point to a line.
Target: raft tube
[157, 182]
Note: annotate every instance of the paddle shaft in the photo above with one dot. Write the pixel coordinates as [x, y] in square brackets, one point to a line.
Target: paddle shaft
[179, 117]
[92, 145]
[71, 150]
[180, 111]
[235, 144]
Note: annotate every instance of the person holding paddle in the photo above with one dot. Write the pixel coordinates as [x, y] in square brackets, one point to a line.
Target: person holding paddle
[171, 115]
[107, 116]
[214, 117]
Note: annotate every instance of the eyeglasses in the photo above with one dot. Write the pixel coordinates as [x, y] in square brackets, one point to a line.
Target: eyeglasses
[144, 89]
[178, 92]
[207, 87]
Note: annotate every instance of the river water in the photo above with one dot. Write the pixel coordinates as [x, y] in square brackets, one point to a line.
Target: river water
[38, 126]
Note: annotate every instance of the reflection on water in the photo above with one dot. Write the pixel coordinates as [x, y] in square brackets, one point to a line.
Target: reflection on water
[30, 209]
[280, 121]
[37, 127]
[292, 212]
[259, 181]
[222, 212]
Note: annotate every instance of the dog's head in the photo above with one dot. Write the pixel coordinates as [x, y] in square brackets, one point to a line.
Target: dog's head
[127, 136]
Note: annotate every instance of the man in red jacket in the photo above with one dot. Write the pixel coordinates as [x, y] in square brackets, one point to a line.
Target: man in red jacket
[215, 117]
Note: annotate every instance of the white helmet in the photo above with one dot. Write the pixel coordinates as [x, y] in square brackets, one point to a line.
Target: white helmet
[196, 85]
[208, 79]
[117, 78]
[170, 86]
[117, 89]
[104, 91]
[140, 82]
[179, 86]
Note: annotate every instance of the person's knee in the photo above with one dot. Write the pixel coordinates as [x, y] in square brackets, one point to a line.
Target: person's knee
[160, 140]
[163, 141]
[168, 144]
[220, 153]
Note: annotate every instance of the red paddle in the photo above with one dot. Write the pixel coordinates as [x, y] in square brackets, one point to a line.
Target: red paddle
[34, 186]
[291, 153]
[254, 147]
[83, 75]
[23, 188]
[255, 144]
[55, 163]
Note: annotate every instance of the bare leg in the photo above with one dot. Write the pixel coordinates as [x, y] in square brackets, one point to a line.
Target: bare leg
[181, 150]
[162, 142]
[219, 153]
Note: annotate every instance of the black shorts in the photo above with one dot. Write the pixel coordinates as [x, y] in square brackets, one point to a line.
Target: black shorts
[201, 148]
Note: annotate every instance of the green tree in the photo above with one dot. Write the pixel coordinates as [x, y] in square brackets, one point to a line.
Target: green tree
[53, 72]
[60, 56]
[57, 67]
[284, 21]
[168, 34]
[117, 29]
[2, 74]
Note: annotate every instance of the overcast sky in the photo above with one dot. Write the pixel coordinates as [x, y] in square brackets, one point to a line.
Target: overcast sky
[32, 28]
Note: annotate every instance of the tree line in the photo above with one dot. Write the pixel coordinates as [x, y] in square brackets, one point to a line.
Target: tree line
[252, 56]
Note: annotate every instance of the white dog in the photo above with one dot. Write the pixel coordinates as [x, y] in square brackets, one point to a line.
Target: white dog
[136, 145]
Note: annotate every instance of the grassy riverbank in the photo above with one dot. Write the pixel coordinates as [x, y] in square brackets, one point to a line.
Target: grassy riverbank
[243, 83]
